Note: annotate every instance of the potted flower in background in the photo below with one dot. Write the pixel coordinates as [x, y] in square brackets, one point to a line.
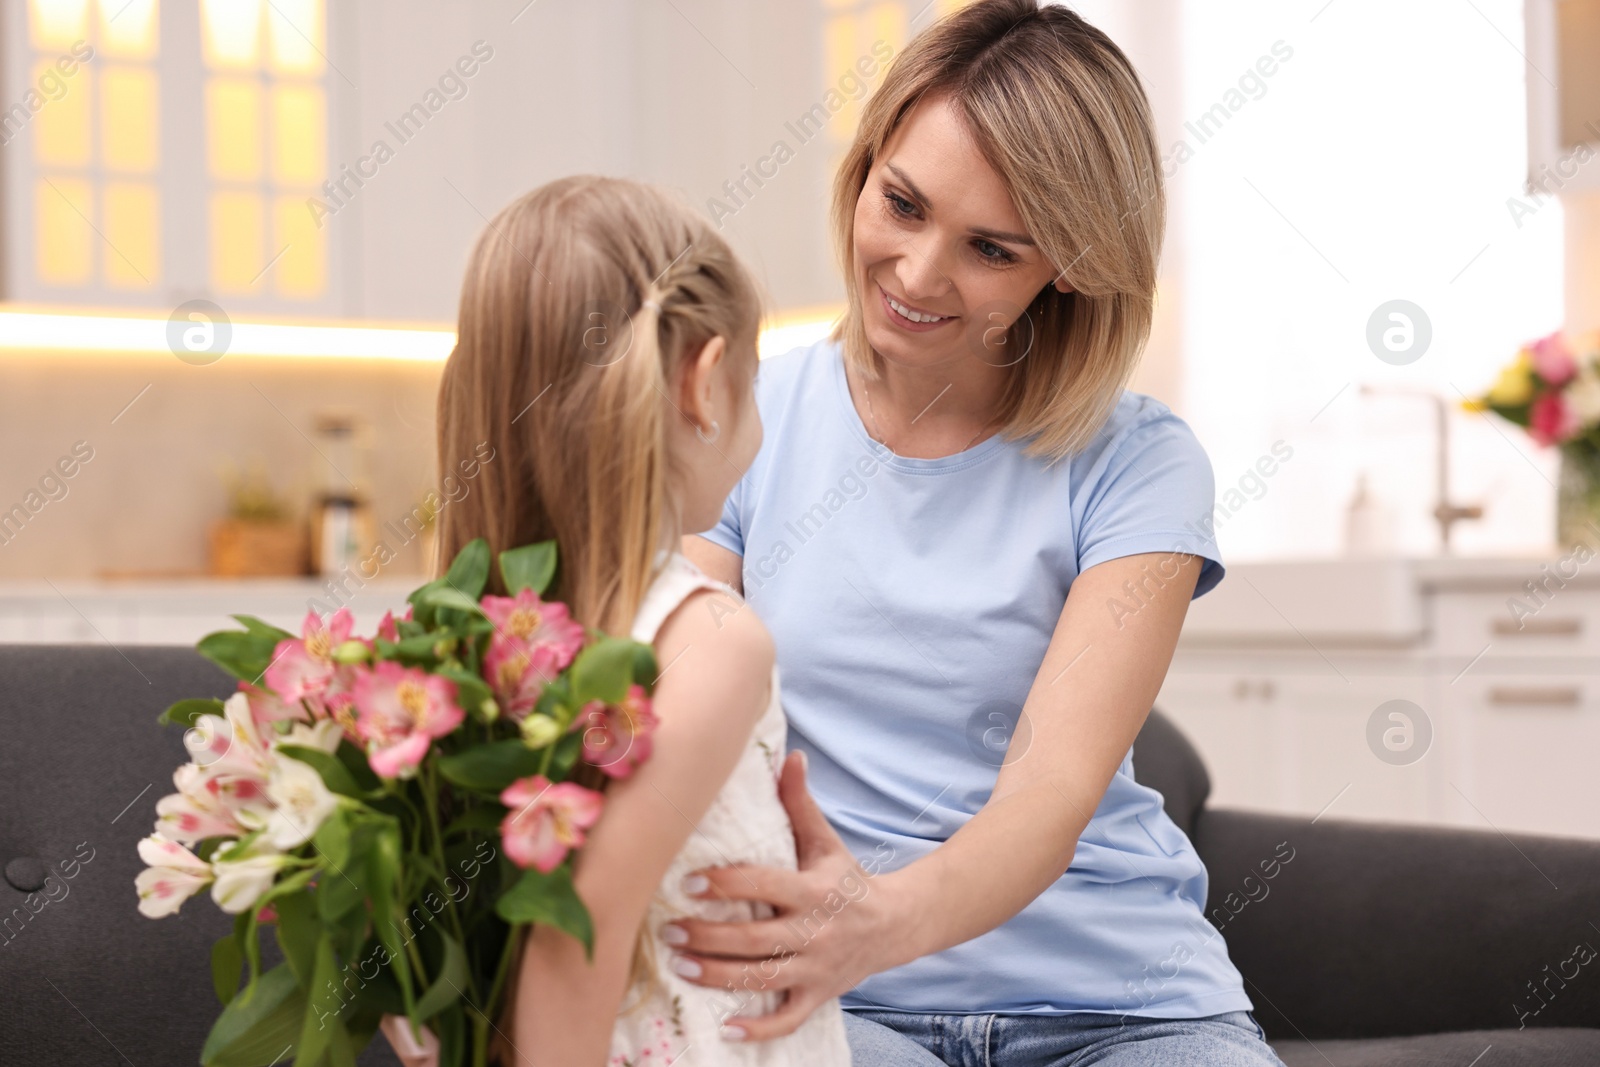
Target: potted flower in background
[258, 537]
[1552, 390]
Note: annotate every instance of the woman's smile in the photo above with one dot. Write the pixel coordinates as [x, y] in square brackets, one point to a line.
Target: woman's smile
[909, 316]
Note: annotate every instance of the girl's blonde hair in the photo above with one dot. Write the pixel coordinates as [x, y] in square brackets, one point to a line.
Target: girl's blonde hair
[1057, 110]
[580, 300]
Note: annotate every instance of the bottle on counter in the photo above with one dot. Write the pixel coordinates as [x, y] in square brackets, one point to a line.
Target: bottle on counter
[342, 529]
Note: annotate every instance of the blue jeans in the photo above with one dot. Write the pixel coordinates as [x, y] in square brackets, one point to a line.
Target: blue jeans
[904, 1039]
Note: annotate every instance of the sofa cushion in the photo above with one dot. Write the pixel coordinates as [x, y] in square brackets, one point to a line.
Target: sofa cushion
[85, 979]
[1550, 1047]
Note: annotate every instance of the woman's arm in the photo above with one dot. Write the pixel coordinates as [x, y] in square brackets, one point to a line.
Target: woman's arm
[1100, 675]
[707, 704]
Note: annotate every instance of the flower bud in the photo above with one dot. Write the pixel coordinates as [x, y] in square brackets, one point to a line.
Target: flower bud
[444, 646]
[539, 731]
[488, 711]
[352, 651]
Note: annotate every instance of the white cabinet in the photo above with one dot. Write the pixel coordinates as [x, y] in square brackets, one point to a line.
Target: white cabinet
[1500, 725]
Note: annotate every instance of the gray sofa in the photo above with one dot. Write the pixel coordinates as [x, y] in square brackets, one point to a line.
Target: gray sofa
[1372, 945]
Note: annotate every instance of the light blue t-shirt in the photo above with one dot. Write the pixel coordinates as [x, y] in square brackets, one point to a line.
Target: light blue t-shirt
[911, 602]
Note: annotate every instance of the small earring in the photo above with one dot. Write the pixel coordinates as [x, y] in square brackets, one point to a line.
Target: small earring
[715, 431]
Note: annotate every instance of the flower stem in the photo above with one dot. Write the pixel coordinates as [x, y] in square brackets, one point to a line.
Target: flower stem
[430, 797]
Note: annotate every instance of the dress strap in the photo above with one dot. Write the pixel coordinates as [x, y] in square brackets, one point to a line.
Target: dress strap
[677, 578]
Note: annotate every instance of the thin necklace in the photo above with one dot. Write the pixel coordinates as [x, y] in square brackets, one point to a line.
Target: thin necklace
[867, 393]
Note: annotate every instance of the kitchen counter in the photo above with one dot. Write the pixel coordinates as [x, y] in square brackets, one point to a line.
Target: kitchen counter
[181, 611]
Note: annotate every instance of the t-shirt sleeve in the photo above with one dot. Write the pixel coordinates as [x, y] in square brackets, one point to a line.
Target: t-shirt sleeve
[729, 530]
[1155, 493]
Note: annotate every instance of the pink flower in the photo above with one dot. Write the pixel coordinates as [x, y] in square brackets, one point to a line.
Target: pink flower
[402, 709]
[509, 669]
[1552, 359]
[266, 706]
[304, 667]
[616, 737]
[387, 629]
[546, 630]
[1551, 420]
[546, 821]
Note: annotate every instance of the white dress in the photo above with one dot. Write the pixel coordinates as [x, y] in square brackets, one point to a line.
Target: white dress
[675, 1021]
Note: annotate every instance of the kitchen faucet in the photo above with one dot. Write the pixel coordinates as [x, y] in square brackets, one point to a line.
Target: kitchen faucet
[1446, 513]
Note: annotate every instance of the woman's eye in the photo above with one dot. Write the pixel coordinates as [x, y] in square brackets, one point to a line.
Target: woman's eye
[991, 251]
[900, 204]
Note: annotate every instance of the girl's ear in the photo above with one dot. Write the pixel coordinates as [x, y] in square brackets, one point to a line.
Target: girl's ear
[1062, 286]
[699, 370]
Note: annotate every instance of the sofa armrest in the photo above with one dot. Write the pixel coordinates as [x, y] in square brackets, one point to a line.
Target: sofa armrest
[1372, 929]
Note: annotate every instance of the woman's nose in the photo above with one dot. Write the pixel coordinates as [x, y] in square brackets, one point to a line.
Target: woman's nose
[921, 273]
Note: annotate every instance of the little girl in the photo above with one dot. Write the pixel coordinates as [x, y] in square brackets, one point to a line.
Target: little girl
[607, 352]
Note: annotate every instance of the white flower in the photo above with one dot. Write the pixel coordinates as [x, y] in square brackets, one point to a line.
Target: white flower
[173, 876]
[1583, 395]
[324, 735]
[300, 802]
[241, 882]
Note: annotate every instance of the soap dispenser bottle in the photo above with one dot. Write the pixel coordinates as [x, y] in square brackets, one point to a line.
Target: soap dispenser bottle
[1366, 522]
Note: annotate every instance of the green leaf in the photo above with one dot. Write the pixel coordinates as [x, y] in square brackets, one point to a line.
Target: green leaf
[447, 988]
[469, 571]
[529, 567]
[451, 1029]
[422, 612]
[548, 898]
[645, 666]
[483, 819]
[298, 931]
[316, 1029]
[568, 749]
[453, 598]
[332, 839]
[258, 1024]
[603, 670]
[383, 872]
[185, 712]
[243, 655]
[227, 960]
[337, 895]
[355, 761]
[258, 628]
[335, 775]
[490, 767]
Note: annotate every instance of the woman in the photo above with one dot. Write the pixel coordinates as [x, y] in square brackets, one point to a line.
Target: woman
[974, 550]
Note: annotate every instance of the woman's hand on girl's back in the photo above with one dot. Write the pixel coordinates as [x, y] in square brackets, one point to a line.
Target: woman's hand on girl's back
[834, 925]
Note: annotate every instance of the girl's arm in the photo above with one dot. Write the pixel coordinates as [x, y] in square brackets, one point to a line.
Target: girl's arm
[1100, 676]
[707, 703]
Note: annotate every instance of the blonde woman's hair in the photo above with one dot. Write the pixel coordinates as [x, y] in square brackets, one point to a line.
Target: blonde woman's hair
[580, 300]
[1056, 108]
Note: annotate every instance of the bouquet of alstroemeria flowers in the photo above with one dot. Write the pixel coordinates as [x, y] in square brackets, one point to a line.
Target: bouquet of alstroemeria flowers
[396, 807]
[1551, 389]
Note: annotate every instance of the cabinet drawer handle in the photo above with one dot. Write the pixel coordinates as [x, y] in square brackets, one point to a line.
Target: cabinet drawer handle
[1557, 695]
[1537, 627]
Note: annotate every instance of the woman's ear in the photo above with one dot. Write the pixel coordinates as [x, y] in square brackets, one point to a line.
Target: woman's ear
[1061, 285]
